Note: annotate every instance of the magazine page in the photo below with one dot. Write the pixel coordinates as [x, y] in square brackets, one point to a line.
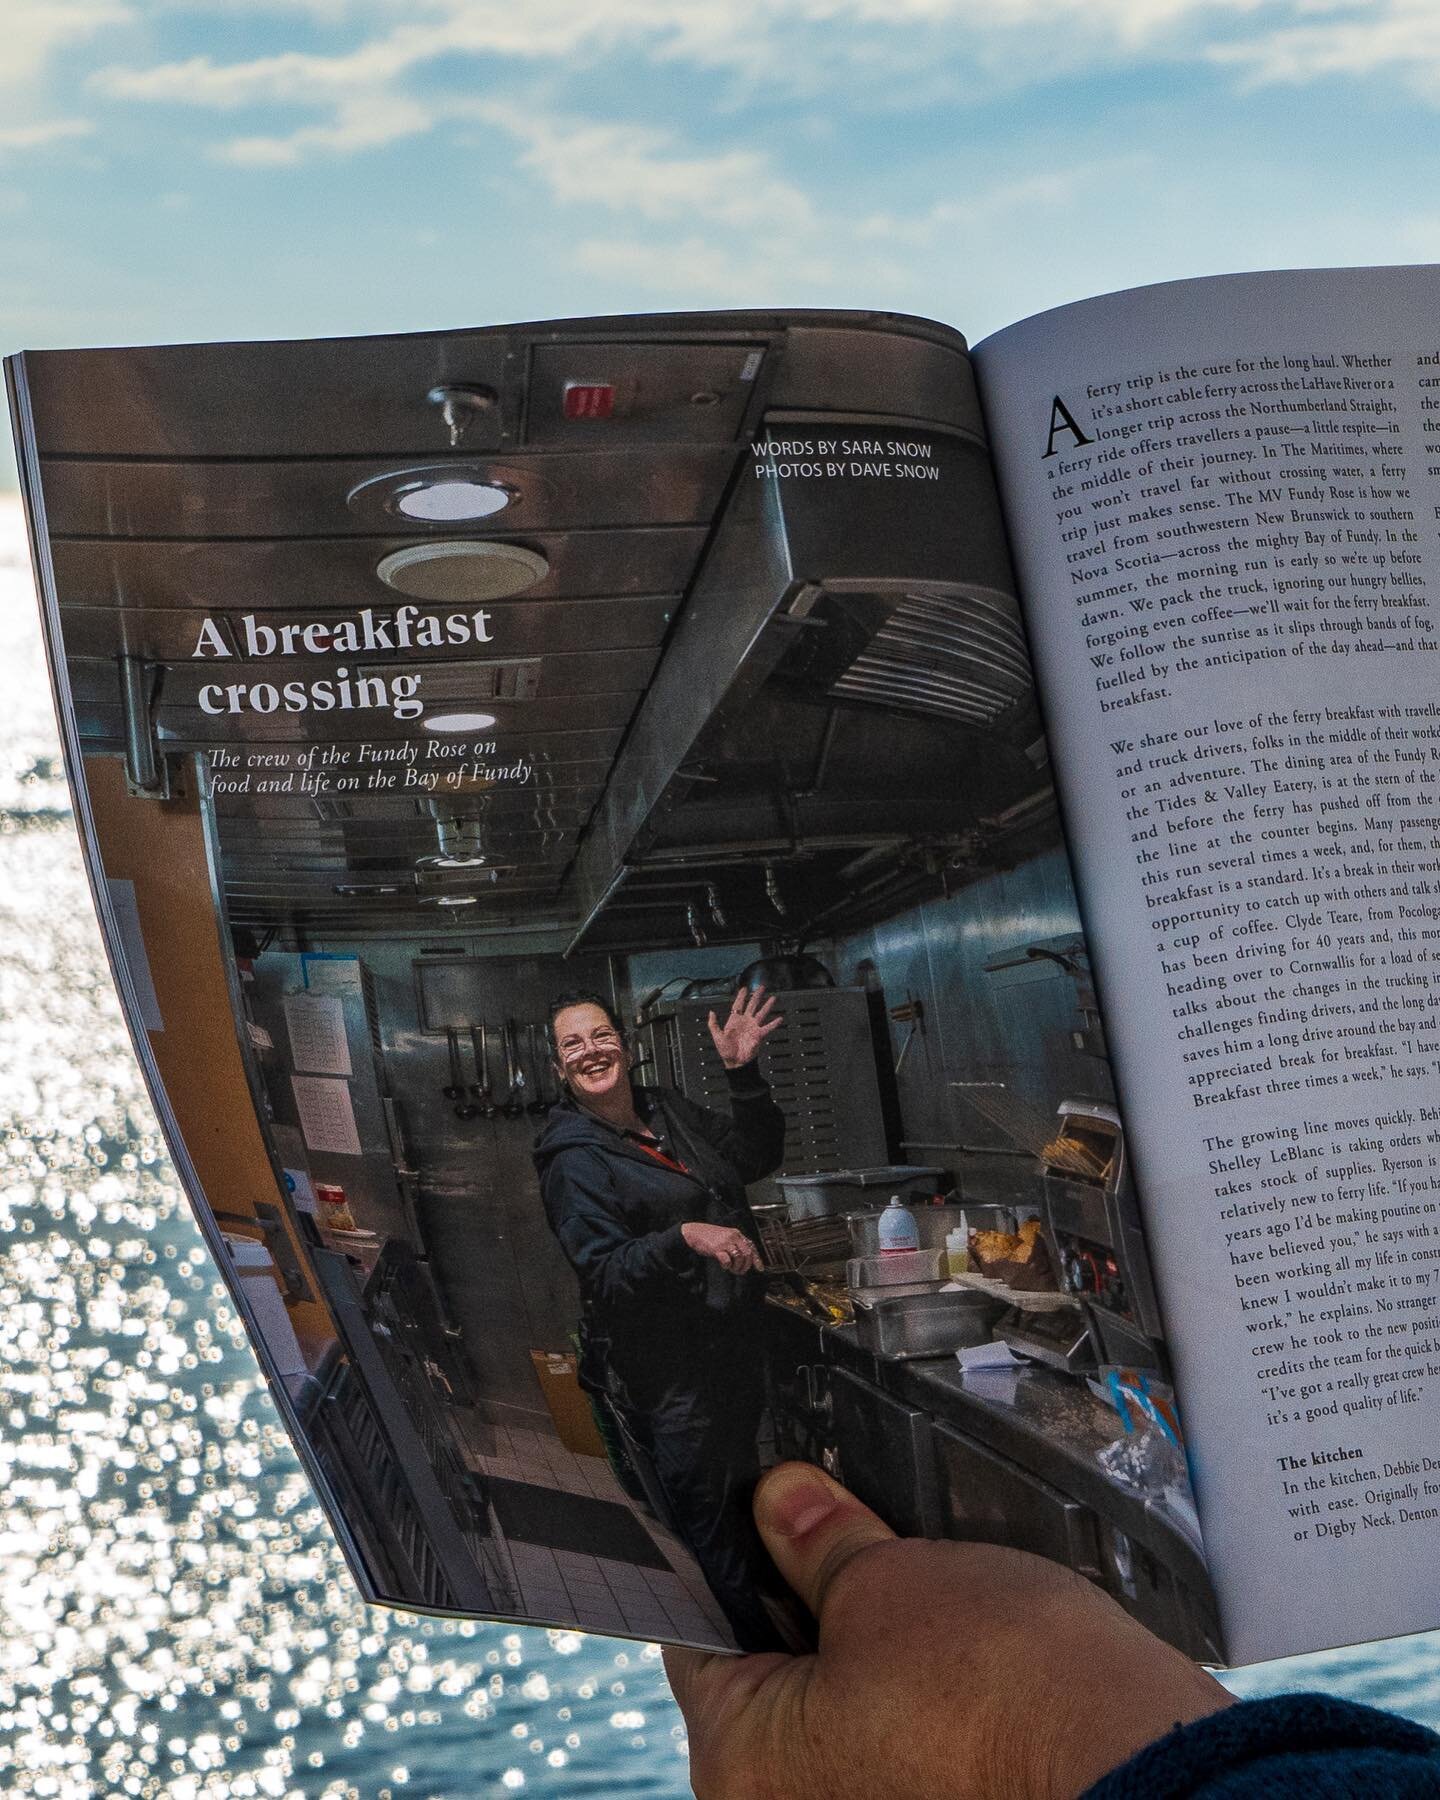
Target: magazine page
[1221, 497]
[569, 813]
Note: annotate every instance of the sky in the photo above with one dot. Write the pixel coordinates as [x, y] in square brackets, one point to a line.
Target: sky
[195, 169]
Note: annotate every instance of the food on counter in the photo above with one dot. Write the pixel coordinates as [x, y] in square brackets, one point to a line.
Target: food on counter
[1020, 1258]
[989, 1247]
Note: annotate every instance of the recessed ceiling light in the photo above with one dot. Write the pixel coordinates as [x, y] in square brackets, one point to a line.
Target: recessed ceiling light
[449, 501]
[448, 493]
[459, 721]
[462, 570]
[451, 862]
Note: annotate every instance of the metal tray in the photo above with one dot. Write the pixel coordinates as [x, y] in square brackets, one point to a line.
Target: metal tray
[900, 1265]
[925, 1324]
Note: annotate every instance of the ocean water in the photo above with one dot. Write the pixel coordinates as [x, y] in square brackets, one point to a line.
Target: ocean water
[174, 1619]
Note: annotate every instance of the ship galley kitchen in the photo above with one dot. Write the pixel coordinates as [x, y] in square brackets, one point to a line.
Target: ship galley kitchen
[414, 681]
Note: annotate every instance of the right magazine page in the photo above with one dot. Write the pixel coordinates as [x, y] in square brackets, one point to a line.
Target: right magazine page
[1222, 496]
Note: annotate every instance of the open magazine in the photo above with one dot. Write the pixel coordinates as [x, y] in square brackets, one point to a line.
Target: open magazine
[573, 813]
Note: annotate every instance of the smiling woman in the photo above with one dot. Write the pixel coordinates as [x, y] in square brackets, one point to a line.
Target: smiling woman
[646, 1192]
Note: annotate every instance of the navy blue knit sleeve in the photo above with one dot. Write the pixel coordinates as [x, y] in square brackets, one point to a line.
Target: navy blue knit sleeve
[1293, 1745]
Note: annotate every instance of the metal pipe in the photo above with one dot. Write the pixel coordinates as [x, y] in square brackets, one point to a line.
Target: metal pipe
[455, 1088]
[141, 763]
[966, 1149]
[514, 1074]
[480, 1087]
[539, 1104]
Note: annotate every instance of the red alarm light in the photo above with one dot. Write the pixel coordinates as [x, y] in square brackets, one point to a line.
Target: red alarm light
[589, 399]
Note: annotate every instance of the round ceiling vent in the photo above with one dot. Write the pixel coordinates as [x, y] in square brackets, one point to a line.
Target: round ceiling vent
[462, 571]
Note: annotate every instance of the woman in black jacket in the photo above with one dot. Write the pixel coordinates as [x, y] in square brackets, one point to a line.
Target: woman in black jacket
[646, 1192]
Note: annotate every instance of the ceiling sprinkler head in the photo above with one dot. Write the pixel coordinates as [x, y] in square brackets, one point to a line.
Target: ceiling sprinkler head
[459, 402]
[697, 930]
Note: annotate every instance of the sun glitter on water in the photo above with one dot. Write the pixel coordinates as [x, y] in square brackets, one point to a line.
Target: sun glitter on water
[174, 1617]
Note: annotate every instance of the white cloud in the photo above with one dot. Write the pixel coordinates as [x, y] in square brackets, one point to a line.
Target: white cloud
[640, 171]
[386, 82]
[35, 30]
[368, 123]
[1373, 37]
[32, 35]
[729, 227]
[43, 131]
[775, 42]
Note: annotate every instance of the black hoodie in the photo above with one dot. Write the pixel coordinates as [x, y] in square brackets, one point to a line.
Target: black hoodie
[653, 1308]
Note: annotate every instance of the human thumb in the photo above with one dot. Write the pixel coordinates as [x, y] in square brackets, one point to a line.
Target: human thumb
[812, 1527]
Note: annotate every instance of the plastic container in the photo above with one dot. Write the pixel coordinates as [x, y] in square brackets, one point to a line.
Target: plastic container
[899, 1234]
[843, 1190]
[957, 1251]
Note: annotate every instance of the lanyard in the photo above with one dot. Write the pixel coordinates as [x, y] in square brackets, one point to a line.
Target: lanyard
[654, 1150]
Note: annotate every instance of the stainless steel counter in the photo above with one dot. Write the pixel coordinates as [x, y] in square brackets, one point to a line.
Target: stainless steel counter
[1005, 1456]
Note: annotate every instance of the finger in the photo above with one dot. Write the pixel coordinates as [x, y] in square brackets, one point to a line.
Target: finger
[774, 1025]
[759, 1012]
[713, 1022]
[740, 1005]
[685, 1670]
[812, 1527]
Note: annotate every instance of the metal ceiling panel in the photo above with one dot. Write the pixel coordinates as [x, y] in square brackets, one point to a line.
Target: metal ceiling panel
[326, 573]
[337, 397]
[450, 680]
[678, 484]
[187, 728]
[367, 838]
[912, 373]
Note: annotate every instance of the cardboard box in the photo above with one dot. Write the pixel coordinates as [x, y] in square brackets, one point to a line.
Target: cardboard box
[569, 1406]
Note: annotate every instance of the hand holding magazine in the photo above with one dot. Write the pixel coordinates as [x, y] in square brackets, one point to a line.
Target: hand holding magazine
[459, 722]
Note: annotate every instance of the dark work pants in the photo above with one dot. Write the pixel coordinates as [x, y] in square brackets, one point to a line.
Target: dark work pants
[698, 1435]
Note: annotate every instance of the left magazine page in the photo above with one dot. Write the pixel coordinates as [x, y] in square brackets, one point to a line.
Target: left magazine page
[568, 813]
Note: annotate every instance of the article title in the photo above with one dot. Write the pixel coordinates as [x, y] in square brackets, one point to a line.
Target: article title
[368, 633]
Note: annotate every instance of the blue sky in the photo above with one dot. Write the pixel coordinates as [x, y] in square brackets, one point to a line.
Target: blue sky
[174, 169]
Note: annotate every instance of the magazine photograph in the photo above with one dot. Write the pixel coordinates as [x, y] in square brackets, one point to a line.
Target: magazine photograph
[574, 830]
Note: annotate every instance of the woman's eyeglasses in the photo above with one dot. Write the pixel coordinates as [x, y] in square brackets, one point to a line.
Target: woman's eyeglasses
[572, 1049]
